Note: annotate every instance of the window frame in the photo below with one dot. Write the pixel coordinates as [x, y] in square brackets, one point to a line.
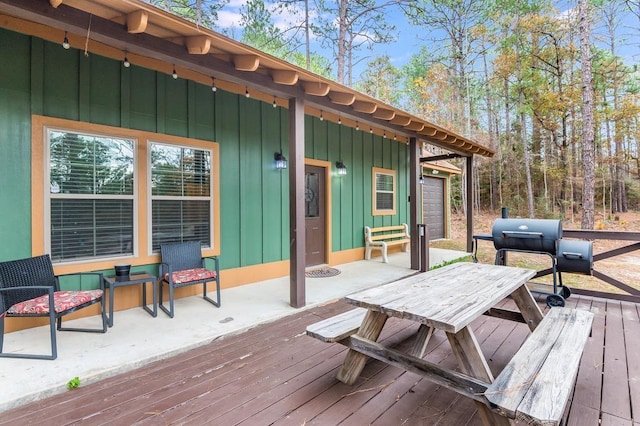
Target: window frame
[152, 197]
[143, 254]
[374, 191]
[48, 195]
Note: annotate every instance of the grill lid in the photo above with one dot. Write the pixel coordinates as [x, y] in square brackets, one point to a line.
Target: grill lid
[540, 235]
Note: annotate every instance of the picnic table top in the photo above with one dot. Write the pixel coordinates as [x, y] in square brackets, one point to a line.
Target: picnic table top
[447, 298]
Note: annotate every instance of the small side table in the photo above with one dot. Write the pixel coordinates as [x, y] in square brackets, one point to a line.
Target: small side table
[114, 281]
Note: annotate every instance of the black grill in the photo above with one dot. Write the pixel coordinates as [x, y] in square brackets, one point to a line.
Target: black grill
[541, 236]
[535, 235]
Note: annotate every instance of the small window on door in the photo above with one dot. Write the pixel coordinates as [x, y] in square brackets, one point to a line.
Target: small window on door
[384, 192]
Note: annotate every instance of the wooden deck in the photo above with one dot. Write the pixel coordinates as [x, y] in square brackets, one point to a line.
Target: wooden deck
[275, 374]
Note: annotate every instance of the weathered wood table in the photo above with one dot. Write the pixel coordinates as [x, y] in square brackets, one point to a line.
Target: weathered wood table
[446, 299]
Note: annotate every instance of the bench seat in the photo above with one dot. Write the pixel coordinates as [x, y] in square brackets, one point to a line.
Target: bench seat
[338, 327]
[386, 236]
[537, 383]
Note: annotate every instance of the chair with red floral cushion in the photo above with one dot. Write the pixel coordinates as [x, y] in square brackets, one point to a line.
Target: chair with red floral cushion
[183, 265]
[29, 288]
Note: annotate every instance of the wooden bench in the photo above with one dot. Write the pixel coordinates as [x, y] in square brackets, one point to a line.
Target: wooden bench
[338, 327]
[537, 383]
[383, 237]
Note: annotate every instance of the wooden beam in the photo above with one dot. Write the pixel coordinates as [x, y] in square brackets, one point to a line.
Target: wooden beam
[315, 88]
[384, 114]
[198, 45]
[365, 107]
[439, 157]
[246, 62]
[284, 77]
[342, 98]
[137, 21]
[415, 126]
[55, 3]
[297, 231]
[470, 203]
[400, 120]
[415, 201]
[429, 131]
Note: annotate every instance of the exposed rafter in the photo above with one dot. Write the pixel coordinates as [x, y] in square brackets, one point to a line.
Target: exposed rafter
[363, 106]
[286, 77]
[246, 62]
[415, 126]
[198, 45]
[315, 88]
[137, 21]
[384, 114]
[342, 98]
[400, 120]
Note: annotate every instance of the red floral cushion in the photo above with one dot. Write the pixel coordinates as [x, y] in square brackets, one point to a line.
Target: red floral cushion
[62, 300]
[188, 275]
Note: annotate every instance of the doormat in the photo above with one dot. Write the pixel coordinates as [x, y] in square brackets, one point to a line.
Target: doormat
[322, 273]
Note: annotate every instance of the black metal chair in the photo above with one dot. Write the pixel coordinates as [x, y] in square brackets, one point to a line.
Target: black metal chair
[29, 288]
[183, 265]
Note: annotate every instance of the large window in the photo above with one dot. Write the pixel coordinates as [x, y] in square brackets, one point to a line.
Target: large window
[91, 195]
[181, 194]
[103, 195]
[384, 191]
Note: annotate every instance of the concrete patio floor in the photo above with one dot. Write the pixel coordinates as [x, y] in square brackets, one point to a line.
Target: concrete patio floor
[137, 339]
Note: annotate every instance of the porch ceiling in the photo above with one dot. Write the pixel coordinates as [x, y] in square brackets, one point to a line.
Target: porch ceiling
[142, 29]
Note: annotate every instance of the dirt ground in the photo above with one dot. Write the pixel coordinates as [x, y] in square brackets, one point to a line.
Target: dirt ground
[625, 268]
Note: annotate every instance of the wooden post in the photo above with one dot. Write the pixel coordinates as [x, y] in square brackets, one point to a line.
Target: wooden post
[469, 173]
[414, 202]
[296, 203]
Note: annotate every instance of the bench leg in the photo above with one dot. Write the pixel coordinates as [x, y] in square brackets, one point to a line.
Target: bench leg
[385, 259]
[528, 307]
[472, 362]
[355, 361]
[367, 252]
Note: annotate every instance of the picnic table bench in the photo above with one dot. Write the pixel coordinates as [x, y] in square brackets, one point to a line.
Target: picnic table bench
[534, 386]
[383, 237]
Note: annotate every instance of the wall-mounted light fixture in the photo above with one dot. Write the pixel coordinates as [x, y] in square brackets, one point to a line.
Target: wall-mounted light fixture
[342, 169]
[281, 161]
[435, 172]
[421, 180]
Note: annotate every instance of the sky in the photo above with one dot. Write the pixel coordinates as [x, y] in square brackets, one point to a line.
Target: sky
[411, 38]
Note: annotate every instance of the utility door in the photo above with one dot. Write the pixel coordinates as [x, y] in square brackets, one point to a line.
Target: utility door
[314, 202]
[433, 206]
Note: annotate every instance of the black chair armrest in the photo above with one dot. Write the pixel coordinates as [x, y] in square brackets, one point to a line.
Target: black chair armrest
[215, 260]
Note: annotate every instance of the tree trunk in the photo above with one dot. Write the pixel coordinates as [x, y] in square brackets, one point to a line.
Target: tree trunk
[588, 131]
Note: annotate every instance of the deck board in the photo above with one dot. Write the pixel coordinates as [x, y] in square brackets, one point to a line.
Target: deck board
[274, 374]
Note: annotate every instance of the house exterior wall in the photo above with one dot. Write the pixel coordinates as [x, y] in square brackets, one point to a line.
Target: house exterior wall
[41, 78]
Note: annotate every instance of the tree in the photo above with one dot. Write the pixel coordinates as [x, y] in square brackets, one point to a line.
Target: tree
[202, 12]
[347, 26]
[381, 80]
[455, 19]
[588, 131]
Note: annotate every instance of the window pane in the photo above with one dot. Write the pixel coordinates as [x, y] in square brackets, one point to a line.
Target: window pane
[179, 171]
[87, 164]
[85, 228]
[384, 201]
[384, 182]
[181, 220]
[311, 199]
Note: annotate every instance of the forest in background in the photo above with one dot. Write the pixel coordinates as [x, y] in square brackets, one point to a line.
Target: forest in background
[513, 75]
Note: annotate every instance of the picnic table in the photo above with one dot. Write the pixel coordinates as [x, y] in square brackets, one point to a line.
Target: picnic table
[450, 299]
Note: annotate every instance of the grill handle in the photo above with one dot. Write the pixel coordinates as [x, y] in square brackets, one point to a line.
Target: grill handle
[570, 255]
[522, 234]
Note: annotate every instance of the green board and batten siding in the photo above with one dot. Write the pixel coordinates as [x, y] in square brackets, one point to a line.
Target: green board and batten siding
[39, 77]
